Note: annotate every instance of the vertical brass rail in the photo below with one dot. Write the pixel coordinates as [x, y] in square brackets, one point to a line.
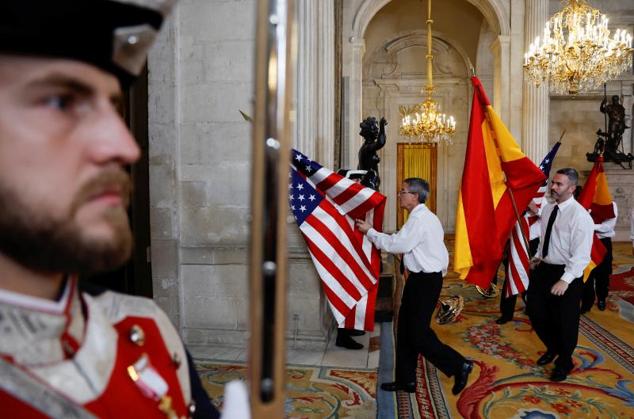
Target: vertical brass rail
[270, 168]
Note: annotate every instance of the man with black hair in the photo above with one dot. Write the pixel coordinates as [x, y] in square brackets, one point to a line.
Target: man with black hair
[64, 189]
[555, 289]
[421, 241]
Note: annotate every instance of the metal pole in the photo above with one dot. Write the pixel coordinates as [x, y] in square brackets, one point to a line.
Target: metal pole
[269, 183]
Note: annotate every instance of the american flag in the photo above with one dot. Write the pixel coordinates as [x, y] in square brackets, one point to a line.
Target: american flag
[517, 267]
[325, 206]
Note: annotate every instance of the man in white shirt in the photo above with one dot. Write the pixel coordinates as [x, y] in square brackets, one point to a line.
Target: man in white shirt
[600, 276]
[421, 241]
[556, 283]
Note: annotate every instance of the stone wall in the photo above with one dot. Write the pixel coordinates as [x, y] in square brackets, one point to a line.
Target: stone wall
[201, 75]
[581, 118]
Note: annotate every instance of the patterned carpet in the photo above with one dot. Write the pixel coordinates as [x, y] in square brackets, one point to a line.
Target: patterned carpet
[313, 392]
[506, 382]
[622, 280]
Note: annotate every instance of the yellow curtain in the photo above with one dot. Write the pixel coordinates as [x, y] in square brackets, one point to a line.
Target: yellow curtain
[417, 160]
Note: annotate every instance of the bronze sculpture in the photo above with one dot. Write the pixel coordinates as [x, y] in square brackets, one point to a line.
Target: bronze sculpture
[609, 142]
[374, 139]
[616, 125]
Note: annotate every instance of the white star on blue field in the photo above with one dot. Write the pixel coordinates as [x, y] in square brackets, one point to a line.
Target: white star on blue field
[302, 198]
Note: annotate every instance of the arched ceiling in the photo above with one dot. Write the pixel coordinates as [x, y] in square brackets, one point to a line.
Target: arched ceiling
[458, 19]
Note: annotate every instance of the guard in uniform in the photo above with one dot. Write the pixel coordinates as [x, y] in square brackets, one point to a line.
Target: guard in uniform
[64, 149]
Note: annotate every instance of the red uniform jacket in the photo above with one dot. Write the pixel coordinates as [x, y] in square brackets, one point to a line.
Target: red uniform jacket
[83, 356]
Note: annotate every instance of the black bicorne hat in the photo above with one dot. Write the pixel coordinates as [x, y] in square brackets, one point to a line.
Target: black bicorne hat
[114, 35]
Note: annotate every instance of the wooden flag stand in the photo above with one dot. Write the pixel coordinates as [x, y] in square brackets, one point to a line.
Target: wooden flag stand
[269, 183]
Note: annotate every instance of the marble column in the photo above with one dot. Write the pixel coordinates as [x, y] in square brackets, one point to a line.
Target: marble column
[326, 83]
[308, 317]
[535, 141]
[354, 103]
[307, 72]
[315, 80]
[501, 84]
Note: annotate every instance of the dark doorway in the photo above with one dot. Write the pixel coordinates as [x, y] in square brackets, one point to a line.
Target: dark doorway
[135, 277]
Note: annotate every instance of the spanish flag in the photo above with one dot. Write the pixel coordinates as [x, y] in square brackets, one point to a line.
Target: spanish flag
[495, 174]
[595, 197]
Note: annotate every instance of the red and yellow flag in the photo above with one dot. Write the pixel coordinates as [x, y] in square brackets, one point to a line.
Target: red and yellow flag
[495, 172]
[595, 197]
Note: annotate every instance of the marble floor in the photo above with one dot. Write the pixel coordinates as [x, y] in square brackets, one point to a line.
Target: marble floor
[332, 356]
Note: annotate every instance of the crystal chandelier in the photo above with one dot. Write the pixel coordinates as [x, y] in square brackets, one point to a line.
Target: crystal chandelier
[576, 52]
[424, 120]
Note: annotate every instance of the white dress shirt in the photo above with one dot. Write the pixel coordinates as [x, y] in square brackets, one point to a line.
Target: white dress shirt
[570, 238]
[606, 228]
[421, 241]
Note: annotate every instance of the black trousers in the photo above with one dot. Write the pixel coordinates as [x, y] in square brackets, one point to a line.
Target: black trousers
[507, 304]
[599, 278]
[414, 334]
[555, 318]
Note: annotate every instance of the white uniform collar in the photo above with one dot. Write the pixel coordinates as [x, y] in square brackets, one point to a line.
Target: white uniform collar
[37, 331]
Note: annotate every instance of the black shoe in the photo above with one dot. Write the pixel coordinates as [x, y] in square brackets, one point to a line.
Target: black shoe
[558, 375]
[547, 358]
[356, 332]
[585, 309]
[461, 377]
[394, 386]
[503, 320]
[601, 305]
[347, 342]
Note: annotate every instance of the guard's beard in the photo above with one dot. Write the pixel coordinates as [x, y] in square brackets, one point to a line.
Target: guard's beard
[33, 238]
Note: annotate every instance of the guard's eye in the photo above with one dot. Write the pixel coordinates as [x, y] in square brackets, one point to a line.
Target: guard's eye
[60, 102]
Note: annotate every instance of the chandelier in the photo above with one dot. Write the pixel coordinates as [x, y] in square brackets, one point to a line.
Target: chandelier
[424, 120]
[576, 52]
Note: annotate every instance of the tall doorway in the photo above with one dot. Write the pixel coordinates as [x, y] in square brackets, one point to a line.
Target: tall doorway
[416, 160]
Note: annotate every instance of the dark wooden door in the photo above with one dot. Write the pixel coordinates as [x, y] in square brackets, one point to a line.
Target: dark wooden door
[136, 276]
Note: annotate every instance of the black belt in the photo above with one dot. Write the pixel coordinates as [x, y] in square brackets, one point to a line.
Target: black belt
[424, 273]
[551, 265]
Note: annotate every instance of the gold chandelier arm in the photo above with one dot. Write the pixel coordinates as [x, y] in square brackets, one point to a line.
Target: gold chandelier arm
[425, 121]
[430, 56]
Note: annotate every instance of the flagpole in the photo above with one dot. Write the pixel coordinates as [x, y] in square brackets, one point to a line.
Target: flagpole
[517, 217]
[508, 188]
[269, 185]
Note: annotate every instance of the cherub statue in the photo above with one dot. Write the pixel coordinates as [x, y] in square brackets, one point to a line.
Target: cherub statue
[374, 139]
